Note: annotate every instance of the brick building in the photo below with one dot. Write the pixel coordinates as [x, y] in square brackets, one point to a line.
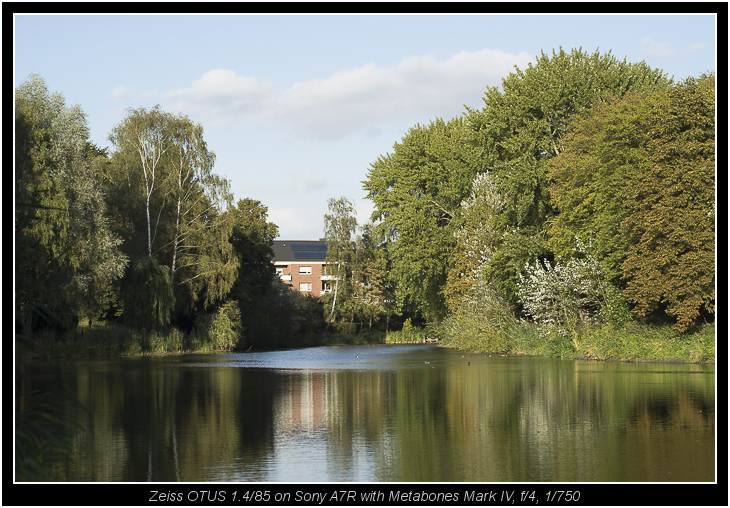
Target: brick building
[301, 264]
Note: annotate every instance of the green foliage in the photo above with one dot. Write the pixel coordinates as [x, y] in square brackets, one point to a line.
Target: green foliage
[484, 322]
[252, 239]
[221, 329]
[282, 318]
[148, 295]
[340, 224]
[66, 254]
[408, 327]
[525, 125]
[603, 159]
[367, 283]
[417, 191]
[671, 230]
[167, 204]
[478, 238]
[637, 177]
[636, 342]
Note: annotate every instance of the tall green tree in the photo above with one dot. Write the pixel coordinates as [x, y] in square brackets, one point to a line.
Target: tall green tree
[417, 191]
[340, 224]
[65, 249]
[371, 277]
[478, 238]
[524, 125]
[169, 205]
[637, 179]
[605, 157]
[253, 240]
[141, 141]
[671, 230]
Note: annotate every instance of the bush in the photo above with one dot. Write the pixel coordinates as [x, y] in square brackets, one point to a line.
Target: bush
[220, 331]
[484, 322]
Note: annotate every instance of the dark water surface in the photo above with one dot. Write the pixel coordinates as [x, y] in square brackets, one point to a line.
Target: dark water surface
[382, 414]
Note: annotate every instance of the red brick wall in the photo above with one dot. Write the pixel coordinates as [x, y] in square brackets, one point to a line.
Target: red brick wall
[314, 278]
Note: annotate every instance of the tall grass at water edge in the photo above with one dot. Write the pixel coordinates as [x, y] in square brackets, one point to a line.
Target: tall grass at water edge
[626, 342]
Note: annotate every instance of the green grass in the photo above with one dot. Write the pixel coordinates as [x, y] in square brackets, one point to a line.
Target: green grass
[105, 339]
[407, 337]
[635, 342]
[628, 342]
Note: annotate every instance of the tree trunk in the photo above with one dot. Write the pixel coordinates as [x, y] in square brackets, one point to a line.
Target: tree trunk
[332, 312]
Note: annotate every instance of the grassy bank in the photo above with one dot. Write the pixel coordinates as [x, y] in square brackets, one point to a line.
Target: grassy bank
[106, 339]
[110, 340]
[628, 342]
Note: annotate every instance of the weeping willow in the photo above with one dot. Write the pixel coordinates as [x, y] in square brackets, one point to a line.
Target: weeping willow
[148, 294]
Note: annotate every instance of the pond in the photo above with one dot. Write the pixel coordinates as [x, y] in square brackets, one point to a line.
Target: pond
[386, 413]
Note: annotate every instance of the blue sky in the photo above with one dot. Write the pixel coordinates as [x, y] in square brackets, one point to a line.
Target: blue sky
[297, 107]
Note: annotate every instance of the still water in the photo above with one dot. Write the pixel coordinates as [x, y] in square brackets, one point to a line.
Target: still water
[395, 413]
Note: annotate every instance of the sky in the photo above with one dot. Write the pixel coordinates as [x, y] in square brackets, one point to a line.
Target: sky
[297, 107]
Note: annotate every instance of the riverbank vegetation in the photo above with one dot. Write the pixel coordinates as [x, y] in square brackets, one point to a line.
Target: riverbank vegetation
[573, 215]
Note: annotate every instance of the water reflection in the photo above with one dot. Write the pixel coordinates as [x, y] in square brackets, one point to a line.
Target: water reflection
[380, 413]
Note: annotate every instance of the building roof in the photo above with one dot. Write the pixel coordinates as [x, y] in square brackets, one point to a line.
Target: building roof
[300, 251]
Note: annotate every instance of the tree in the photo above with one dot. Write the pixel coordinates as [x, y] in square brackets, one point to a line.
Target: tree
[65, 249]
[142, 139]
[339, 226]
[603, 159]
[637, 178]
[671, 230]
[148, 294]
[163, 185]
[478, 238]
[417, 191]
[99, 261]
[252, 239]
[523, 126]
[564, 293]
[371, 277]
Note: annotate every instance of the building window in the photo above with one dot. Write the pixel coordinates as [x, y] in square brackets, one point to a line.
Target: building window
[305, 270]
[305, 286]
[279, 270]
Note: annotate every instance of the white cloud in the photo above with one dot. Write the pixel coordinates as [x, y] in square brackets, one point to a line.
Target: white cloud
[297, 223]
[223, 97]
[351, 100]
[665, 50]
[121, 93]
[657, 49]
[304, 181]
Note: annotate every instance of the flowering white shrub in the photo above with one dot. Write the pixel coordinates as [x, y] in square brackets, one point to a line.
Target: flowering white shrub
[477, 235]
[564, 293]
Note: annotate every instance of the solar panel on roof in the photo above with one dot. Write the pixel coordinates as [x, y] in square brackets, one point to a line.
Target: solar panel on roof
[306, 247]
[309, 255]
